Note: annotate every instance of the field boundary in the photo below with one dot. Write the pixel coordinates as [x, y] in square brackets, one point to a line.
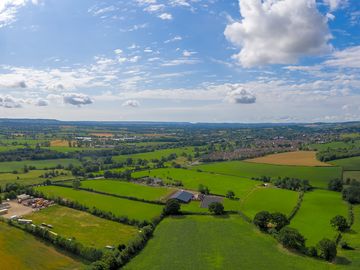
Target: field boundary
[297, 206]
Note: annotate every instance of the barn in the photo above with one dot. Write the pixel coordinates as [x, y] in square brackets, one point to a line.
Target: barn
[182, 196]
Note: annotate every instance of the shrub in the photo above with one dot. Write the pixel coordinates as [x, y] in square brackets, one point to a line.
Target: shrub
[172, 207]
[262, 219]
[335, 185]
[339, 223]
[291, 238]
[352, 193]
[216, 208]
[230, 194]
[279, 220]
[327, 249]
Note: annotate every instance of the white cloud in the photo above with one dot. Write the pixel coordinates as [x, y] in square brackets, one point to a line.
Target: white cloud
[165, 16]
[176, 38]
[10, 8]
[335, 4]
[348, 58]
[9, 101]
[131, 103]
[239, 95]
[40, 102]
[154, 8]
[178, 62]
[77, 99]
[278, 32]
[187, 53]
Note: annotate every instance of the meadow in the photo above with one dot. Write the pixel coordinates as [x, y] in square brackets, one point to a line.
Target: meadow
[351, 175]
[22, 251]
[348, 164]
[191, 179]
[207, 242]
[318, 176]
[39, 164]
[269, 199]
[297, 158]
[128, 189]
[316, 211]
[119, 207]
[84, 227]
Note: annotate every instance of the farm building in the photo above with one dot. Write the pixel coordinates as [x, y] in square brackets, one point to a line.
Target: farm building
[182, 196]
[207, 200]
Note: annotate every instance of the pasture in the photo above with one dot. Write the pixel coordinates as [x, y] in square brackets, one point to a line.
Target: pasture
[119, 207]
[318, 176]
[269, 199]
[207, 242]
[298, 158]
[351, 175]
[39, 164]
[84, 227]
[348, 164]
[335, 145]
[191, 179]
[316, 211]
[22, 251]
[128, 189]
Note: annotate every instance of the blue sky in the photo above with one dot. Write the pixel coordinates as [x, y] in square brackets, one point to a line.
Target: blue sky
[181, 60]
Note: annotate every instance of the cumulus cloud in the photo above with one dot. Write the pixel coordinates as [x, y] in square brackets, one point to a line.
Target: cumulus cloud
[41, 102]
[278, 32]
[10, 8]
[10, 102]
[131, 103]
[165, 16]
[335, 4]
[240, 95]
[77, 99]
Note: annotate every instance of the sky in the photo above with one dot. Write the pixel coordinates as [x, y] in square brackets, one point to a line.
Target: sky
[180, 60]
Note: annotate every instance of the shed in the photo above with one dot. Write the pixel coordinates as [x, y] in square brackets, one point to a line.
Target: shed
[182, 195]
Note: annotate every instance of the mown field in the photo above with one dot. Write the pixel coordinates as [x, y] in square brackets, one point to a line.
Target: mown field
[348, 164]
[297, 158]
[32, 177]
[128, 189]
[191, 179]
[39, 164]
[206, 242]
[316, 211]
[84, 227]
[269, 199]
[21, 251]
[318, 176]
[118, 206]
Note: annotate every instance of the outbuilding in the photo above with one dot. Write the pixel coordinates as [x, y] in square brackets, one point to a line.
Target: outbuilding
[182, 196]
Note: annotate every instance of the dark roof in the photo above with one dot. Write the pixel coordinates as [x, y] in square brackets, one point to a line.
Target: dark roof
[182, 195]
[210, 199]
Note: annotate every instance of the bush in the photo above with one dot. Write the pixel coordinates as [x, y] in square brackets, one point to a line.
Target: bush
[291, 238]
[172, 207]
[230, 195]
[352, 193]
[335, 185]
[327, 249]
[312, 252]
[339, 223]
[203, 189]
[262, 219]
[216, 208]
[279, 220]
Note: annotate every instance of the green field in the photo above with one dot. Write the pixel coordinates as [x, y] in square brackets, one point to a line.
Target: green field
[218, 184]
[316, 211]
[269, 199]
[194, 206]
[318, 176]
[118, 206]
[352, 175]
[335, 145]
[206, 242]
[21, 251]
[86, 228]
[348, 164]
[30, 178]
[39, 164]
[128, 189]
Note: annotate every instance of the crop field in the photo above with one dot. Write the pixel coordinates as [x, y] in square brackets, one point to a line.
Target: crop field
[22, 251]
[348, 164]
[39, 164]
[118, 206]
[86, 228]
[195, 242]
[128, 189]
[191, 179]
[318, 176]
[298, 158]
[269, 199]
[316, 211]
[352, 175]
[32, 177]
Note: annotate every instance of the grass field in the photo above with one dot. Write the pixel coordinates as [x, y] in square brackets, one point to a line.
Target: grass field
[206, 242]
[218, 184]
[21, 251]
[269, 199]
[86, 228]
[32, 177]
[335, 145]
[118, 206]
[348, 164]
[39, 164]
[298, 158]
[313, 218]
[352, 175]
[128, 189]
[318, 176]
[194, 206]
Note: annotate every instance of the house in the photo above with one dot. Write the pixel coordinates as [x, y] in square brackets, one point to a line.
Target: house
[182, 196]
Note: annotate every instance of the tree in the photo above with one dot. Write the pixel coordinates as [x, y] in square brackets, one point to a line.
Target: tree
[335, 185]
[216, 208]
[230, 194]
[279, 220]
[76, 184]
[327, 249]
[262, 219]
[203, 189]
[352, 193]
[172, 207]
[291, 238]
[339, 223]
